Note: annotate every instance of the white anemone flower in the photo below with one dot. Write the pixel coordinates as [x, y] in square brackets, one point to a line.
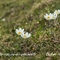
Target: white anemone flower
[25, 35]
[48, 16]
[57, 12]
[54, 16]
[19, 31]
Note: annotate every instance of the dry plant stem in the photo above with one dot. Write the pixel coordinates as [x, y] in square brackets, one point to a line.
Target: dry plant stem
[55, 22]
[54, 35]
[49, 24]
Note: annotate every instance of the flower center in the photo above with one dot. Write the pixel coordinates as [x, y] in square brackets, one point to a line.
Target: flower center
[48, 16]
[24, 36]
[19, 33]
[56, 12]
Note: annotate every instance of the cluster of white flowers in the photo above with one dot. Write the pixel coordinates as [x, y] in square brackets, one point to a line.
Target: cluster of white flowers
[22, 33]
[52, 15]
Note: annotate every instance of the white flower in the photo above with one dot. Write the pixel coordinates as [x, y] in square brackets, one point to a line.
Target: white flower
[54, 16]
[48, 16]
[57, 12]
[3, 19]
[25, 35]
[19, 31]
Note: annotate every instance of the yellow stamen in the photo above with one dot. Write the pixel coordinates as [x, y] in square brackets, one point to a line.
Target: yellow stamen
[48, 16]
[24, 36]
[19, 33]
[56, 12]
